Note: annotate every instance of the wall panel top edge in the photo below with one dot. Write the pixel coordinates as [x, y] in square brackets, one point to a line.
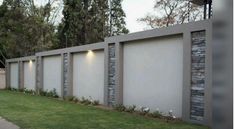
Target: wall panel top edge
[95, 46]
[27, 58]
[165, 31]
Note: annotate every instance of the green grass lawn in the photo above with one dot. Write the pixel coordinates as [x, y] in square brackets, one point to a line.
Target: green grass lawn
[38, 112]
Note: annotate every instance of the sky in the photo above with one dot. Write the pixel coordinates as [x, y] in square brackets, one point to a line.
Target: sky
[134, 10]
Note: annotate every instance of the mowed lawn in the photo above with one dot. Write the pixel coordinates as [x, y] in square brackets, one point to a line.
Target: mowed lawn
[38, 112]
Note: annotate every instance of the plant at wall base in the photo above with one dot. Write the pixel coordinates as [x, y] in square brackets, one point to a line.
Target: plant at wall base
[14, 89]
[156, 114]
[42, 93]
[75, 99]
[85, 101]
[119, 107]
[130, 109]
[95, 102]
[47, 93]
[29, 91]
[54, 93]
[170, 116]
[144, 110]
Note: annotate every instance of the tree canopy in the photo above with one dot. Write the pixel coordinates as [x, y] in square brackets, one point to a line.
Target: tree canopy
[26, 28]
[170, 12]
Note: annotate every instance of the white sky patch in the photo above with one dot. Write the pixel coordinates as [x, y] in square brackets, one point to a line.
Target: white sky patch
[134, 10]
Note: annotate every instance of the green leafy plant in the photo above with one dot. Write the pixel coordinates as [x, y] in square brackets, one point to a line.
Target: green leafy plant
[130, 109]
[85, 101]
[156, 114]
[75, 99]
[119, 107]
[144, 110]
[47, 93]
[95, 102]
[29, 91]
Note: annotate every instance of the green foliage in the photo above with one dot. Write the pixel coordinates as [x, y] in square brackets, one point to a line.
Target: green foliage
[24, 28]
[156, 114]
[117, 24]
[47, 93]
[75, 99]
[119, 107]
[95, 102]
[29, 91]
[85, 101]
[87, 21]
[130, 109]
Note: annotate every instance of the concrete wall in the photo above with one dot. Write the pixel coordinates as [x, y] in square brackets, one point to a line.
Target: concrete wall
[153, 74]
[2, 79]
[29, 75]
[14, 75]
[167, 68]
[52, 73]
[88, 75]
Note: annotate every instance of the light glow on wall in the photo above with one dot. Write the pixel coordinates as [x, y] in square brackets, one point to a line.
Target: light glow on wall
[30, 65]
[90, 55]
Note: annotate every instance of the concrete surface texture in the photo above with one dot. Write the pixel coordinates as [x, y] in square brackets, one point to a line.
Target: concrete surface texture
[2, 79]
[7, 125]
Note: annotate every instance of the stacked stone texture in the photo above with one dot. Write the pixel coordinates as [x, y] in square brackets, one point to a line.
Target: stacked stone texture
[37, 74]
[198, 75]
[65, 75]
[111, 75]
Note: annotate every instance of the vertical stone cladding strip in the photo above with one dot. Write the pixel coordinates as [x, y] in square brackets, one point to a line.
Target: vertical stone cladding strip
[7, 75]
[21, 75]
[38, 73]
[111, 74]
[198, 75]
[65, 74]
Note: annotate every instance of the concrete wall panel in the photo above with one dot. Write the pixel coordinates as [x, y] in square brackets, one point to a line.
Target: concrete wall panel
[14, 75]
[88, 75]
[153, 74]
[52, 73]
[29, 75]
[2, 79]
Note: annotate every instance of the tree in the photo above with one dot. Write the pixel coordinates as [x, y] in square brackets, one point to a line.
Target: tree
[25, 28]
[87, 21]
[172, 12]
[117, 24]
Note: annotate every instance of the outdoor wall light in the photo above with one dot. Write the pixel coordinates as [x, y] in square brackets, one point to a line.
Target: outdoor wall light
[90, 55]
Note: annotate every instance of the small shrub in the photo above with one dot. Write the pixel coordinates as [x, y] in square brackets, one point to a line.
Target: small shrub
[85, 101]
[54, 93]
[13, 89]
[130, 109]
[119, 107]
[170, 116]
[156, 114]
[27, 91]
[47, 93]
[144, 110]
[95, 102]
[75, 99]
